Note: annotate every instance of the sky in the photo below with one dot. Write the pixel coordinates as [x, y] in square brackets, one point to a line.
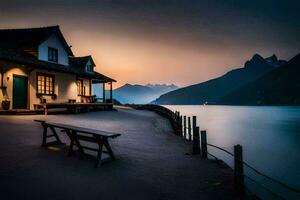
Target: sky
[182, 42]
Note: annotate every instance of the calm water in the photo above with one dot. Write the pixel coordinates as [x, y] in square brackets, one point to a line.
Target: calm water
[270, 137]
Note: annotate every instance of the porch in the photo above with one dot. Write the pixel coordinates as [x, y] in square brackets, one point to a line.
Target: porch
[72, 107]
[21, 91]
[59, 108]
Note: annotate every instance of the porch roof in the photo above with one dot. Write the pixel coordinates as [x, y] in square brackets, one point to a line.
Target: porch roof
[21, 57]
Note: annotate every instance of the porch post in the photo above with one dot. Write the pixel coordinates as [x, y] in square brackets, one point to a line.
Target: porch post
[90, 87]
[103, 92]
[1, 78]
[111, 95]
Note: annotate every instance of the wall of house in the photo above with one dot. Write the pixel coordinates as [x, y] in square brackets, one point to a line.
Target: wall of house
[8, 82]
[65, 88]
[54, 42]
[1, 95]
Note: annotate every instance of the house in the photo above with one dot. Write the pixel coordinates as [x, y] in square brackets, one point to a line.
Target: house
[37, 65]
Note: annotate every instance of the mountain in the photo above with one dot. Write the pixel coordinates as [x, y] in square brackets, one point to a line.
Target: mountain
[213, 90]
[141, 94]
[278, 87]
[162, 88]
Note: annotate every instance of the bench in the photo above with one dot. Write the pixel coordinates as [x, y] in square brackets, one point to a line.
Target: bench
[76, 135]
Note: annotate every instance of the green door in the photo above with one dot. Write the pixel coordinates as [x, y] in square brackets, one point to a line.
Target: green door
[20, 92]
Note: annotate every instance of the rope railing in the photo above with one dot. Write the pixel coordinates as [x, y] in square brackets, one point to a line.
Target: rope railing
[187, 128]
[263, 186]
[253, 180]
[221, 149]
[255, 170]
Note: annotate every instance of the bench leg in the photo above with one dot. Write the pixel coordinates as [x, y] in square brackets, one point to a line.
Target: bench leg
[107, 146]
[77, 142]
[74, 141]
[44, 143]
[99, 154]
[71, 136]
[55, 135]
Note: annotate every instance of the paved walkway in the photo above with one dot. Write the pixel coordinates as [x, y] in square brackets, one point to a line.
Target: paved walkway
[151, 162]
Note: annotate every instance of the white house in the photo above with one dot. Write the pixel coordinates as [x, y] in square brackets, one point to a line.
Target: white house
[37, 65]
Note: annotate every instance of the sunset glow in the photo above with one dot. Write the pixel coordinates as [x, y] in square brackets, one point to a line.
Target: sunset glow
[152, 42]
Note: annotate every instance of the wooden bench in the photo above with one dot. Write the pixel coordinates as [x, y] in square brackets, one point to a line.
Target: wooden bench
[77, 134]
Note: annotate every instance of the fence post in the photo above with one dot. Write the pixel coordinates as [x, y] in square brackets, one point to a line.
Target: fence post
[203, 144]
[194, 124]
[180, 124]
[189, 129]
[178, 118]
[238, 168]
[184, 127]
[196, 141]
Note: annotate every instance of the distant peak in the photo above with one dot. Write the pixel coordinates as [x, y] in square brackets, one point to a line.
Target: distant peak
[272, 58]
[254, 61]
[257, 57]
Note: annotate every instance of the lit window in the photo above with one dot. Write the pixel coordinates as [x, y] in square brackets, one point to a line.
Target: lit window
[52, 54]
[45, 84]
[80, 88]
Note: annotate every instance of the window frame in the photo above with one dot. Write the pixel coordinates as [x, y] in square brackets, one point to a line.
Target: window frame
[45, 84]
[53, 54]
[82, 88]
[89, 68]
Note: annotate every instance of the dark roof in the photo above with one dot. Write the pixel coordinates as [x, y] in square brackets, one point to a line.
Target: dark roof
[81, 61]
[30, 37]
[21, 57]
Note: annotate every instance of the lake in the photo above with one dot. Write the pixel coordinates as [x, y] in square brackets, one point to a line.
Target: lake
[270, 137]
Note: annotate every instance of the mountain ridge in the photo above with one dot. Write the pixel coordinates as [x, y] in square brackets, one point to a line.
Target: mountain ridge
[141, 94]
[281, 86]
[209, 92]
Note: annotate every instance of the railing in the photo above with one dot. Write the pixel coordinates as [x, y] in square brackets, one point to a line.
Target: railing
[174, 117]
[189, 130]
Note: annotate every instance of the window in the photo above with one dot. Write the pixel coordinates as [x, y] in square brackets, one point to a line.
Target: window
[89, 67]
[80, 88]
[45, 84]
[52, 54]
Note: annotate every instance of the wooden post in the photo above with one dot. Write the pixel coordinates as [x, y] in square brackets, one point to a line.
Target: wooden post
[184, 127]
[177, 125]
[1, 72]
[238, 168]
[189, 129]
[194, 123]
[90, 87]
[111, 95]
[180, 124]
[203, 144]
[103, 93]
[196, 141]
